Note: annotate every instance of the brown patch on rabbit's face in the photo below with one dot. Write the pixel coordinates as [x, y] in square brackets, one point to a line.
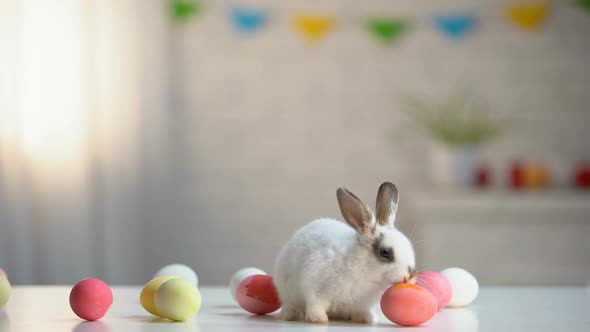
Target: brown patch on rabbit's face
[383, 253]
[401, 266]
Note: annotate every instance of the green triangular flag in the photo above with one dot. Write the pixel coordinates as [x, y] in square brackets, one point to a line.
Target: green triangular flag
[182, 10]
[584, 3]
[387, 29]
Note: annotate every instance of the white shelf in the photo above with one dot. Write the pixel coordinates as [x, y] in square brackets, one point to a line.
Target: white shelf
[484, 200]
[506, 237]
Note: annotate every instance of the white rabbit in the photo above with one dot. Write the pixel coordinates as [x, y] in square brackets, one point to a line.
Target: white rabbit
[329, 269]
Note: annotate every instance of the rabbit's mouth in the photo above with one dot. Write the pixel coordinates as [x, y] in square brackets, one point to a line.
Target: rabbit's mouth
[396, 278]
[395, 281]
[411, 280]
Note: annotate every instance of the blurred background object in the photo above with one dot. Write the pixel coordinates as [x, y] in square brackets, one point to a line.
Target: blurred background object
[135, 134]
[460, 126]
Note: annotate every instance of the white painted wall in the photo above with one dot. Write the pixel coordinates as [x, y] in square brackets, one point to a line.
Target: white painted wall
[278, 125]
[239, 141]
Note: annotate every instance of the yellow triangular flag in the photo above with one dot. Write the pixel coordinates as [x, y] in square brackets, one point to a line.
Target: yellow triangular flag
[528, 16]
[314, 27]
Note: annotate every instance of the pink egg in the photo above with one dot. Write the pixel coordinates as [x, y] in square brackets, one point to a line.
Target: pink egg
[91, 298]
[437, 285]
[408, 304]
[258, 294]
[3, 273]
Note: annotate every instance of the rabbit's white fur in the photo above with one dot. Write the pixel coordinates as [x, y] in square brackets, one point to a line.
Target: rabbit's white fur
[329, 269]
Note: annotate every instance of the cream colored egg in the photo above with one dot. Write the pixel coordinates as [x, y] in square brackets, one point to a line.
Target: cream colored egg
[148, 293]
[177, 299]
[180, 270]
[463, 284]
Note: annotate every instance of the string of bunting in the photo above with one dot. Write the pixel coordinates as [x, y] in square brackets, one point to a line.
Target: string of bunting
[313, 27]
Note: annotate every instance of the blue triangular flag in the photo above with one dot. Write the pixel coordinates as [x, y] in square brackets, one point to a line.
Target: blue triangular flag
[248, 20]
[455, 26]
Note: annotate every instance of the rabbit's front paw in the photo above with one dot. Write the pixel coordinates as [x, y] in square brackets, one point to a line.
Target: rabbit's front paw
[363, 317]
[289, 312]
[316, 315]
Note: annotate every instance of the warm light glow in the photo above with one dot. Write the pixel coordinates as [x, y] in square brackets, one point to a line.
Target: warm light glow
[52, 119]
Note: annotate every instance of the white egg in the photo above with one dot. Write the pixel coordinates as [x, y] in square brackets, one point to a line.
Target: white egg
[180, 270]
[463, 284]
[241, 275]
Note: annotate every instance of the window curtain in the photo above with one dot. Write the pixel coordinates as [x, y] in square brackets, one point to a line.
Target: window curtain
[83, 98]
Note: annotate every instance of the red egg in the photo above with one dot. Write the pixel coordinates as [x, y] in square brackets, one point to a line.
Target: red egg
[582, 176]
[408, 304]
[437, 285]
[257, 294]
[482, 176]
[90, 299]
[516, 175]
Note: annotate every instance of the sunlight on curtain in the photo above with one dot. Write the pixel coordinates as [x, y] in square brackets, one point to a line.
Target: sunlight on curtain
[52, 121]
[43, 145]
[72, 80]
[70, 101]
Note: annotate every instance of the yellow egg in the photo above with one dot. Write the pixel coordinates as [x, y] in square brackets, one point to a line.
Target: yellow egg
[4, 290]
[177, 299]
[149, 292]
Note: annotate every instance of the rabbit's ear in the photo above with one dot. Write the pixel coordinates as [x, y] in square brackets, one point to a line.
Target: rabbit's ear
[387, 199]
[354, 211]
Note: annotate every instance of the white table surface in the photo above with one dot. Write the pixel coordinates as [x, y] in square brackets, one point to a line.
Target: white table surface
[46, 309]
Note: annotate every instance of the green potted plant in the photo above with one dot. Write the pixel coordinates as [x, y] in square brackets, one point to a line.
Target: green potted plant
[459, 125]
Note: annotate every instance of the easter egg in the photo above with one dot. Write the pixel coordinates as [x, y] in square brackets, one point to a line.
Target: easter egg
[148, 293]
[257, 294]
[180, 270]
[581, 176]
[516, 175]
[463, 284]
[408, 304]
[3, 273]
[91, 298]
[437, 285]
[535, 175]
[177, 299]
[239, 276]
[4, 290]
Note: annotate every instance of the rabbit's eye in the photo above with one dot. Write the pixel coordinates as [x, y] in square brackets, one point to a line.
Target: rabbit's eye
[381, 252]
[384, 253]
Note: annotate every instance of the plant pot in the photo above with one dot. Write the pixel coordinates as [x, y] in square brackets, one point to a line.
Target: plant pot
[454, 166]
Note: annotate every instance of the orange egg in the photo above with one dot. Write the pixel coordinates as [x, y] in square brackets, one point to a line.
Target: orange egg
[408, 304]
[535, 176]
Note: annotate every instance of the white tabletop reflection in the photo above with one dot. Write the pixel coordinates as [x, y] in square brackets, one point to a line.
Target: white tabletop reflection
[496, 309]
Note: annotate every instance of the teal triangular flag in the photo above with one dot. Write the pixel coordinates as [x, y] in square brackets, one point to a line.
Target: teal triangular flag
[455, 26]
[248, 20]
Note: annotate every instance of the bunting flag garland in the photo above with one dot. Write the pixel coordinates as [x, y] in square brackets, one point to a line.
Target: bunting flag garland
[455, 26]
[387, 29]
[183, 10]
[584, 4]
[314, 27]
[248, 20]
[528, 16]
